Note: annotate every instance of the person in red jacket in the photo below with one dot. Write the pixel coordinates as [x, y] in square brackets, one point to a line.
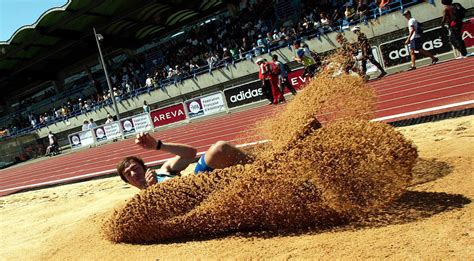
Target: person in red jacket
[273, 73]
[263, 75]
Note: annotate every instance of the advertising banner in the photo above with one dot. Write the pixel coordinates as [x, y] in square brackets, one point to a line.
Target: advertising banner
[296, 80]
[136, 124]
[468, 32]
[107, 132]
[205, 105]
[396, 52]
[244, 94]
[170, 114]
[81, 139]
[99, 133]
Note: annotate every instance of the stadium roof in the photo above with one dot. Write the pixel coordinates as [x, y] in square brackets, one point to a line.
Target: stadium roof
[64, 35]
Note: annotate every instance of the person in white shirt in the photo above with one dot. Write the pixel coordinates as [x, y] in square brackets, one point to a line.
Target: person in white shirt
[146, 107]
[85, 125]
[149, 81]
[415, 42]
[92, 124]
[110, 119]
[53, 147]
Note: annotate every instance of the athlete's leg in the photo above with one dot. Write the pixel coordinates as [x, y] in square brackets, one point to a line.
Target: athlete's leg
[223, 154]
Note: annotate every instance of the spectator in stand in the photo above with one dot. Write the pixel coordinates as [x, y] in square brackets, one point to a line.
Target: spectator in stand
[363, 12]
[415, 42]
[4, 132]
[92, 124]
[245, 47]
[211, 61]
[453, 15]
[283, 77]
[146, 107]
[269, 41]
[117, 94]
[349, 12]
[263, 75]
[110, 119]
[256, 50]
[261, 44]
[325, 22]
[85, 125]
[366, 49]
[276, 37]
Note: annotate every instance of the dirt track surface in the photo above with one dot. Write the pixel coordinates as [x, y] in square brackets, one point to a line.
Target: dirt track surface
[432, 220]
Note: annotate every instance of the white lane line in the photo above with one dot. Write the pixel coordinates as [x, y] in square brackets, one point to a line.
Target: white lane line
[416, 80]
[417, 85]
[424, 110]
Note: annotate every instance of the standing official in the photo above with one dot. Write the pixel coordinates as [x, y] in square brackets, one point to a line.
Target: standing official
[283, 77]
[415, 42]
[366, 49]
[263, 75]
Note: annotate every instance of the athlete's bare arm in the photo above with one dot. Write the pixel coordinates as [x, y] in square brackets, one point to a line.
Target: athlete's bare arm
[185, 154]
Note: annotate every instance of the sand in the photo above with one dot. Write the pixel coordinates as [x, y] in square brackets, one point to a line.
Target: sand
[432, 221]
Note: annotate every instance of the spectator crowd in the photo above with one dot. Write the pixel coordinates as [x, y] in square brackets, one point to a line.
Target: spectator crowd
[254, 30]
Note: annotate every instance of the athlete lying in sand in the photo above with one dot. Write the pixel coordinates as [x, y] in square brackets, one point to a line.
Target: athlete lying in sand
[220, 155]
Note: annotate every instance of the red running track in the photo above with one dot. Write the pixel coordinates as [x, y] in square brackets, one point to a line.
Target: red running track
[428, 90]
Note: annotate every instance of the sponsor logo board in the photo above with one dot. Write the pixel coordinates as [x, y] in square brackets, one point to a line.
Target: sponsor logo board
[100, 134]
[107, 132]
[127, 126]
[141, 122]
[195, 108]
[112, 130]
[396, 52]
[468, 32]
[135, 124]
[296, 79]
[170, 114]
[206, 105]
[81, 139]
[244, 94]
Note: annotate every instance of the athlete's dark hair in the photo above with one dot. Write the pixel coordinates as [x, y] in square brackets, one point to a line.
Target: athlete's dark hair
[125, 162]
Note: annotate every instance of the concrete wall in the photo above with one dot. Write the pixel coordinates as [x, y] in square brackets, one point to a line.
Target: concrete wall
[389, 26]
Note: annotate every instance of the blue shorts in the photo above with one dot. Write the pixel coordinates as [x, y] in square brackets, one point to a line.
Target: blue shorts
[160, 177]
[416, 43]
[201, 165]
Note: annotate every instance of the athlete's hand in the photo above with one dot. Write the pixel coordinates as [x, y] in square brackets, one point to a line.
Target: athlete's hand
[407, 41]
[146, 141]
[150, 177]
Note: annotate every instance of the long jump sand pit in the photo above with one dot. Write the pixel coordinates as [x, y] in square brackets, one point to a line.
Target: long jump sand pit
[432, 219]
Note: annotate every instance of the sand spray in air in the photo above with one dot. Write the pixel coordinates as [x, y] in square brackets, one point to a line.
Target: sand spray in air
[309, 175]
